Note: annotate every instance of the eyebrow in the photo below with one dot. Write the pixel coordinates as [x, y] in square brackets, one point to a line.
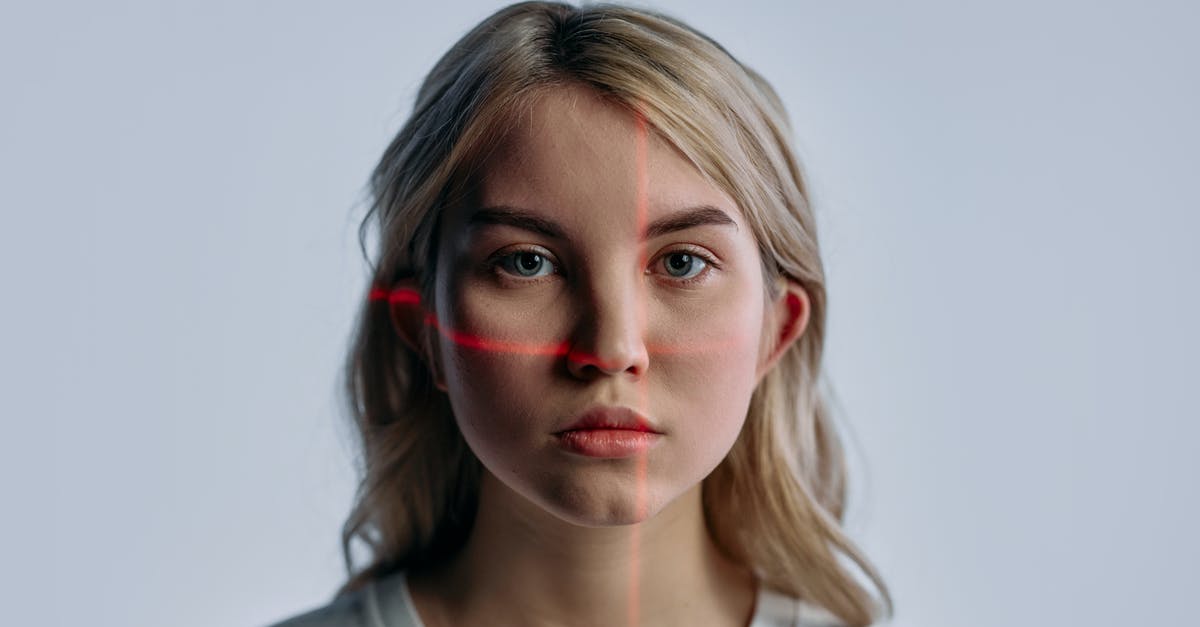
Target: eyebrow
[516, 217]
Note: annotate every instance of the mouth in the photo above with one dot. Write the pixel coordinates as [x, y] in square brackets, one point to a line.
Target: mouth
[611, 418]
[608, 443]
[609, 432]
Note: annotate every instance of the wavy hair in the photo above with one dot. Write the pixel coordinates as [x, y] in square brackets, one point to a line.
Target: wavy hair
[775, 503]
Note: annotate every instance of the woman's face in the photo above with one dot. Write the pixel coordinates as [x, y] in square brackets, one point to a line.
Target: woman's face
[536, 327]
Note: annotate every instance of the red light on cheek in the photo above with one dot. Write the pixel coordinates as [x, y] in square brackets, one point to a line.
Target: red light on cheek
[409, 296]
[496, 346]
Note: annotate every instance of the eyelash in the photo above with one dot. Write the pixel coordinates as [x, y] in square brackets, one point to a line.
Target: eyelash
[496, 263]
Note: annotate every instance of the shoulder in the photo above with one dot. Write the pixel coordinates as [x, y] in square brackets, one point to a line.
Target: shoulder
[378, 603]
[345, 611]
[776, 609]
[809, 615]
[348, 610]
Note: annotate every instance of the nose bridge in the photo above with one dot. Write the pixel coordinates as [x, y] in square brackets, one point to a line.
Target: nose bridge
[610, 333]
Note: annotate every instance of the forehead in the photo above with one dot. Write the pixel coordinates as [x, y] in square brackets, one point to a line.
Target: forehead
[579, 158]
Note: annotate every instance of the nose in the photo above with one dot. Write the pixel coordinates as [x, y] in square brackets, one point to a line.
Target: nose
[609, 338]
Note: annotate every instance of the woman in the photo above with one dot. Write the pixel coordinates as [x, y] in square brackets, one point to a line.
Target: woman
[586, 377]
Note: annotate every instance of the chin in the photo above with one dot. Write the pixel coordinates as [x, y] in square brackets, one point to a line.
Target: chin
[611, 515]
[592, 495]
[607, 506]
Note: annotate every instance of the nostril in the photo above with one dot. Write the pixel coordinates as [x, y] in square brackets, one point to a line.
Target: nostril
[582, 362]
[609, 339]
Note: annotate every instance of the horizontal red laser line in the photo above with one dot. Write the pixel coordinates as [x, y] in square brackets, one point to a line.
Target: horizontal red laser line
[409, 296]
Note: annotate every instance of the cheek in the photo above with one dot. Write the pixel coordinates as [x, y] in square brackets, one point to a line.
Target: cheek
[712, 341]
[493, 413]
[495, 377]
[707, 372]
[708, 385]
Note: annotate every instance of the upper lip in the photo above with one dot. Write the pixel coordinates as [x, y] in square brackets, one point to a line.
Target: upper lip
[610, 417]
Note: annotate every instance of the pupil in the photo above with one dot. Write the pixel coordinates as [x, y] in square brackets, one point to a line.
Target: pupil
[533, 258]
[685, 261]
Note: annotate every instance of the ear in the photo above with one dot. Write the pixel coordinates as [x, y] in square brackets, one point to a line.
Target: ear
[408, 313]
[785, 321]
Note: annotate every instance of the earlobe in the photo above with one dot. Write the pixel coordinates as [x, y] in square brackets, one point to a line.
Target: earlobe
[408, 320]
[787, 322]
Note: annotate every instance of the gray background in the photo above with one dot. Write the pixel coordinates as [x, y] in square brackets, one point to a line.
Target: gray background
[1007, 200]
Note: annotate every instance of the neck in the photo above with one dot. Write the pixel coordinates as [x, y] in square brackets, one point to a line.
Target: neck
[523, 566]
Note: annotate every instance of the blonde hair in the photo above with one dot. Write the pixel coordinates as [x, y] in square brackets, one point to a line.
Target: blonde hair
[775, 503]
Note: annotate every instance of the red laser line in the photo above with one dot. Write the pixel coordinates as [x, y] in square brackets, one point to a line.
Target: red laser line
[410, 296]
[635, 533]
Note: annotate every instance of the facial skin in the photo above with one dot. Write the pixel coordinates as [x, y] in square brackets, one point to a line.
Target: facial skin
[685, 355]
[631, 333]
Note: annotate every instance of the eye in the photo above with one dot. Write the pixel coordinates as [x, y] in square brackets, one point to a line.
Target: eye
[524, 263]
[682, 262]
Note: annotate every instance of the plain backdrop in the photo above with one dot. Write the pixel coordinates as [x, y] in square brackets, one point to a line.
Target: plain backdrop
[1007, 202]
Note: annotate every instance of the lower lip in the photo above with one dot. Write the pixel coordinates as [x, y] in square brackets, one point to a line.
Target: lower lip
[608, 442]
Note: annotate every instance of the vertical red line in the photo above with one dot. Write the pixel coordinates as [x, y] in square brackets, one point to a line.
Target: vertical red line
[642, 200]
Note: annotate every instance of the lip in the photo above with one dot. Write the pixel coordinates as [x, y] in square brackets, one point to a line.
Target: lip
[609, 417]
[608, 443]
[609, 432]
